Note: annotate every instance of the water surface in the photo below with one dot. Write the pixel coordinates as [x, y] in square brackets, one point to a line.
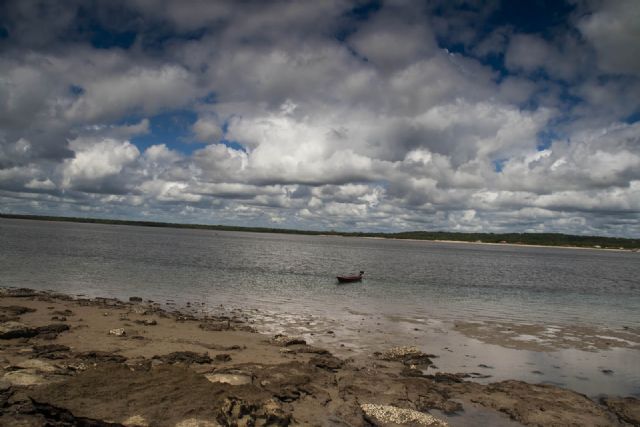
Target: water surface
[292, 277]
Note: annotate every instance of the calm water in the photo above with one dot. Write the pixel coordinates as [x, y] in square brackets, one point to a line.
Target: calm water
[271, 271]
[294, 276]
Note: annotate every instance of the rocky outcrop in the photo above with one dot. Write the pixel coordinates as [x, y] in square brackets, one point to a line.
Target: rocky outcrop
[238, 412]
[387, 415]
[51, 351]
[101, 357]
[146, 322]
[10, 330]
[19, 292]
[626, 408]
[185, 357]
[327, 362]
[285, 341]
[409, 356]
[51, 331]
[13, 312]
[536, 404]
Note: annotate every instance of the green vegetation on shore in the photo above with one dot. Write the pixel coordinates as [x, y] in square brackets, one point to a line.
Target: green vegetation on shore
[543, 239]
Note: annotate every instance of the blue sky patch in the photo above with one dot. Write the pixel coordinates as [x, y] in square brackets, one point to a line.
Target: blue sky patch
[172, 128]
[498, 164]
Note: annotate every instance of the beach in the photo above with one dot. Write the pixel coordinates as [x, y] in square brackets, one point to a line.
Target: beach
[69, 360]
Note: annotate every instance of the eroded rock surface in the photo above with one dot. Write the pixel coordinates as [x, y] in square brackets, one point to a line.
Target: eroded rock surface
[385, 415]
[626, 408]
[281, 382]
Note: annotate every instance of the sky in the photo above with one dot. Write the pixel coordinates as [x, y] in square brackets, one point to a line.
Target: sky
[470, 116]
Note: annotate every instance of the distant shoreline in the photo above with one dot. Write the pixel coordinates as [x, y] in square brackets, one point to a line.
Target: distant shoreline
[525, 245]
[552, 240]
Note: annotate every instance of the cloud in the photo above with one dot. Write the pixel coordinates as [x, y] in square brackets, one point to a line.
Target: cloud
[95, 162]
[614, 30]
[562, 60]
[322, 115]
[140, 90]
[207, 129]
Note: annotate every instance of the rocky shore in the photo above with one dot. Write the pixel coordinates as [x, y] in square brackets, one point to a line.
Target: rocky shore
[68, 361]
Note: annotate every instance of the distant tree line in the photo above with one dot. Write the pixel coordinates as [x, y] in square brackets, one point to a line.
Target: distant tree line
[544, 239]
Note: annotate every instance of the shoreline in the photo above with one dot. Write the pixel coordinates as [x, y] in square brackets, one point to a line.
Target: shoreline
[524, 245]
[244, 229]
[149, 365]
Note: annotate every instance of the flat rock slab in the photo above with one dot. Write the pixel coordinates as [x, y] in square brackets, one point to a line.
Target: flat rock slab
[195, 422]
[36, 364]
[231, 379]
[536, 404]
[23, 378]
[135, 421]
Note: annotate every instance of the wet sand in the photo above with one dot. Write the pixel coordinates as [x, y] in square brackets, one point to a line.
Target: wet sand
[74, 361]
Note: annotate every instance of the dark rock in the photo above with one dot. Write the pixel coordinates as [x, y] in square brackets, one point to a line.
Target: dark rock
[309, 349]
[15, 310]
[237, 412]
[146, 322]
[59, 318]
[408, 356]
[50, 351]
[101, 356]
[451, 407]
[477, 375]
[418, 360]
[187, 357]
[287, 394]
[285, 341]
[20, 293]
[245, 328]
[607, 371]
[626, 408]
[408, 372]
[50, 415]
[10, 330]
[135, 299]
[348, 415]
[434, 399]
[140, 364]
[223, 357]
[53, 328]
[215, 326]
[63, 312]
[48, 336]
[539, 404]
[327, 362]
[444, 377]
[50, 332]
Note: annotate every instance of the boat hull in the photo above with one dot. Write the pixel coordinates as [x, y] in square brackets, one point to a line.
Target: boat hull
[349, 279]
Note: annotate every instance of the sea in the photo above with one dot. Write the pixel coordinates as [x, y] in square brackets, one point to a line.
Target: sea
[413, 292]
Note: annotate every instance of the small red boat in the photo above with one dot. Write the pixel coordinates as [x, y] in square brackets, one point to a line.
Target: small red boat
[348, 279]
